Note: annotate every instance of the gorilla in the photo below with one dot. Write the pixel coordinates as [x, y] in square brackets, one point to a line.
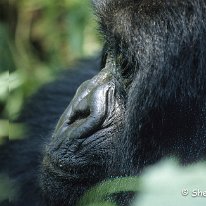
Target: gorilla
[148, 101]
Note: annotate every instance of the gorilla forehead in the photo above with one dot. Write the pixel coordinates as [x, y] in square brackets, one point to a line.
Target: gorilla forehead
[113, 7]
[101, 4]
[149, 29]
[118, 4]
[124, 15]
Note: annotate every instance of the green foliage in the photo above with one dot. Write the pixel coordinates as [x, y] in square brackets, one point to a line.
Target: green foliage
[163, 184]
[99, 195]
[37, 39]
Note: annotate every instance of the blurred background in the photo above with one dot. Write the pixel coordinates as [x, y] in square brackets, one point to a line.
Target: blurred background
[38, 39]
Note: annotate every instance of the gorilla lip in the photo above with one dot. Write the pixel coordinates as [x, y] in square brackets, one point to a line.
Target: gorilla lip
[58, 170]
[78, 174]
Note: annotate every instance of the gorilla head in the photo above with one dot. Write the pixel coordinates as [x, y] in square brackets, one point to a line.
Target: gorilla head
[148, 101]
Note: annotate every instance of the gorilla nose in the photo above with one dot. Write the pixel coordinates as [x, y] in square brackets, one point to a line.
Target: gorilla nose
[88, 109]
[88, 114]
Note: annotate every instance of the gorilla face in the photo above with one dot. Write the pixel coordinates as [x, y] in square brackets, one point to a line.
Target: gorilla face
[147, 102]
[85, 137]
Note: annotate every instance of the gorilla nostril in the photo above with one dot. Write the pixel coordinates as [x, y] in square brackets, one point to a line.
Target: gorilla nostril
[78, 115]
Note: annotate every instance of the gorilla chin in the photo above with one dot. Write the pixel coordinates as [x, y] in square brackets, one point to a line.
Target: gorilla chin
[82, 143]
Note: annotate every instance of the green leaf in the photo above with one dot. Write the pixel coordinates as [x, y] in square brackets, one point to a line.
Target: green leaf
[98, 193]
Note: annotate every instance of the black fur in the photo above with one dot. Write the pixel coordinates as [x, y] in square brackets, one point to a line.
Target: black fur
[166, 42]
[157, 53]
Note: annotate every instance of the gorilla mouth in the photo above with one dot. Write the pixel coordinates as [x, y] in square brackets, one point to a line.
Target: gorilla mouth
[74, 174]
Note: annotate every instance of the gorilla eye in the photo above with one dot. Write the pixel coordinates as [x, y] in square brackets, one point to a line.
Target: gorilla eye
[126, 71]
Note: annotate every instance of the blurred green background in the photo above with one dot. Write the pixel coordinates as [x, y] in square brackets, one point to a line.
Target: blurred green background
[38, 39]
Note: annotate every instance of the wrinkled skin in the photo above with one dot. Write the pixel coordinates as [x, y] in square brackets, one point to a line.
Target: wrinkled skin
[82, 143]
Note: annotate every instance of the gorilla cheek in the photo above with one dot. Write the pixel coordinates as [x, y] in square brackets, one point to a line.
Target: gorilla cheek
[79, 149]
